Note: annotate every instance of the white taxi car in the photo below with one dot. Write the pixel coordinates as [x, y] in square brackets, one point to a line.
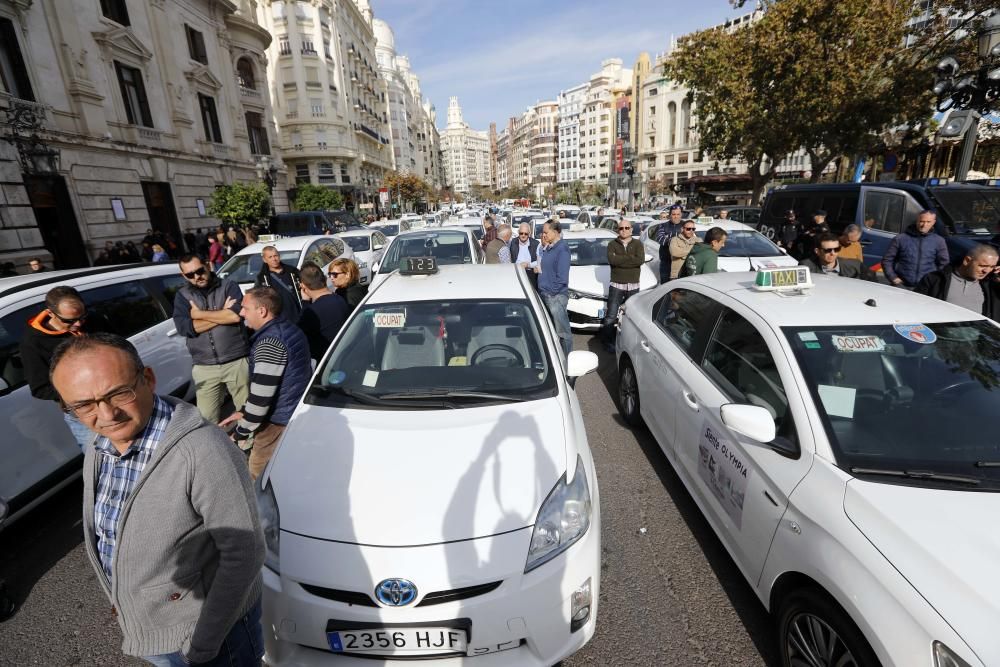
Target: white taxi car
[447, 245]
[841, 439]
[434, 495]
[746, 249]
[367, 246]
[590, 276]
[243, 267]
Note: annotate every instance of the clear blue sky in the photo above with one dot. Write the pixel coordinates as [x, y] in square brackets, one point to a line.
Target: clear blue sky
[499, 57]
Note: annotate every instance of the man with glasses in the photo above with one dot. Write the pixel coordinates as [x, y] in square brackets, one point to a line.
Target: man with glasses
[524, 251]
[826, 260]
[62, 319]
[206, 313]
[680, 247]
[626, 256]
[668, 229]
[704, 257]
[169, 519]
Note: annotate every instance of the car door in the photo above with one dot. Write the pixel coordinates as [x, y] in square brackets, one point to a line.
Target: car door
[166, 286]
[742, 486]
[882, 220]
[668, 346]
[652, 247]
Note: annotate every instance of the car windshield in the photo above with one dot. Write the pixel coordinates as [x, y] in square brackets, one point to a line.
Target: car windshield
[448, 247]
[404, 353]
[388, 230]
[746, 243]
[971, 210]
[358, 243]
[244, 268]
[922, 398]
[588, 251]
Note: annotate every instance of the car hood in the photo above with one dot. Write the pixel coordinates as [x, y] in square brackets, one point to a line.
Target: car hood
[404, 478]
[595, 279]
[945, 543]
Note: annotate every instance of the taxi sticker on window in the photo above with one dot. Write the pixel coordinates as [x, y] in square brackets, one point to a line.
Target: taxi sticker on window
[370, 379]
[336, 377]
[918, 333]
[858, 343]
[807, 335]
[723, 468]
[838, 401]
[390, 320]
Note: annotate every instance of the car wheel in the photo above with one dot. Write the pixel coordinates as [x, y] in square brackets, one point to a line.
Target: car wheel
[813, 631]
[628, 394]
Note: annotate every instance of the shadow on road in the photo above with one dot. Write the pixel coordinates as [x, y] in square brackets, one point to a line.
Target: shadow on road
[36, 542]
[752, 613]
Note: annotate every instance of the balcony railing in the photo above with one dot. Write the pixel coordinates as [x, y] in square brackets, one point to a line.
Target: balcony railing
[250, 93]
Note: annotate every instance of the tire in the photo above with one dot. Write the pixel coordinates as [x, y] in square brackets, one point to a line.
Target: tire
[810, 621]
[628, 394]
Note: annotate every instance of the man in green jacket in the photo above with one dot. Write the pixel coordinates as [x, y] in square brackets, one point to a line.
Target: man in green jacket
[704, 257]
[626, 257]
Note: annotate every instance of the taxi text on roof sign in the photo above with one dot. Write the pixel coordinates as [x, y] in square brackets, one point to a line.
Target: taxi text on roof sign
[771, 279]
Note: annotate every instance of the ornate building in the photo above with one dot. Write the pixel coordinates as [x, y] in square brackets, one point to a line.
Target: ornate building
[120, 116]
[465, 152]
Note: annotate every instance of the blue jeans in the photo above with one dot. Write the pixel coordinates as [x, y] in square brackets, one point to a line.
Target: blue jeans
[81, 433]
[242, 647]
[557, 305]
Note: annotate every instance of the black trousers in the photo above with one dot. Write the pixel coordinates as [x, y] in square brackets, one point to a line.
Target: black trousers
[616, 297]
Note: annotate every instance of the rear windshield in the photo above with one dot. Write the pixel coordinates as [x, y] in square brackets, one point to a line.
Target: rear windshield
[357, 243]
[588, 252]
[446, 247]
[971, 210]
[244, 268]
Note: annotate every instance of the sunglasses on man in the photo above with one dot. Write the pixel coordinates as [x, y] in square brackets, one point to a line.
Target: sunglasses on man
[191, 275]
[827, 251]
[70, 320]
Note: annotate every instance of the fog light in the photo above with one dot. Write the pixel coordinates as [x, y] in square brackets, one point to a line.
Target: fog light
[580, 610]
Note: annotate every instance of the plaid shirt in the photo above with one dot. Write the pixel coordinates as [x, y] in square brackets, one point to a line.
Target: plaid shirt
[118, 475]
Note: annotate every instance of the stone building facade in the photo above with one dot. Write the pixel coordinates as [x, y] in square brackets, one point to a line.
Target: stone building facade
[465, 152]
[148, 105]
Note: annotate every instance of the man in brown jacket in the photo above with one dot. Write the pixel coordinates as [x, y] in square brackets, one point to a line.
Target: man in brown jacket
[626, 257]
[680, 247]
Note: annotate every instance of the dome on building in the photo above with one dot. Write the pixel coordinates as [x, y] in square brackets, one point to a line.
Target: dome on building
[383, 34]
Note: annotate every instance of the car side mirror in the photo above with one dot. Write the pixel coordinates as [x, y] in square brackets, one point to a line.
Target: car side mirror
[3, 386]
[377, 246]
[649, 257]
[375, 267]
[783, 250]
[753, 421]
[579, 363]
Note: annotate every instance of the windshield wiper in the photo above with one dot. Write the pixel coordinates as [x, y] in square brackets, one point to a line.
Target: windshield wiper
[453, 393]
[359, 396]
[918, 474]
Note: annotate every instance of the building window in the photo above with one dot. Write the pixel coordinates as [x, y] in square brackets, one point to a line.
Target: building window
[317, 107]
[278, 10]
[301, 173]
[134, 95]
[300, 9]
[652, 91]
[115, 10]
[284, 48]
[13, 73]
[321, 140]
[682, 158]
[259, 144]
[326, 174]
[652, 111]
[292, 107]
[209, 119]
[196, 45]
[326, 49]
[296, 139]
[344, 176]
[244, 72]
[307, 44]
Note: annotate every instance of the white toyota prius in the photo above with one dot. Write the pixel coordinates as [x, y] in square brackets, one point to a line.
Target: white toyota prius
[841, 439]
[434, 496]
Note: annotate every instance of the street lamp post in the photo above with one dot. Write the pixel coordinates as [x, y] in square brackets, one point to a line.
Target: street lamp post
[267, 173]
[970, 94]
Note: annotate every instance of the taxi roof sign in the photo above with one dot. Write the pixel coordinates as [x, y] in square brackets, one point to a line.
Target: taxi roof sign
[782, 279]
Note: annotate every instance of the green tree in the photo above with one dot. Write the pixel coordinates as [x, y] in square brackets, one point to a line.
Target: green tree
[309, 197]
[408, 187]
[240, 204]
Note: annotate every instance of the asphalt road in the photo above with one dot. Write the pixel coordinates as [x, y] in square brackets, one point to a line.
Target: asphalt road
[670, 594]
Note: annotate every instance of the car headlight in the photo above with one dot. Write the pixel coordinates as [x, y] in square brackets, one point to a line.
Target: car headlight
[945, 657]
[562, 520]
[267, 510]
[362, 265]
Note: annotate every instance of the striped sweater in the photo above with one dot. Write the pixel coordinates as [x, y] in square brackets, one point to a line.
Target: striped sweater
[280, 368]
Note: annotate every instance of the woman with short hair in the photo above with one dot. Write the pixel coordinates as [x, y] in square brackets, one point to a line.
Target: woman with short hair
[347, 281]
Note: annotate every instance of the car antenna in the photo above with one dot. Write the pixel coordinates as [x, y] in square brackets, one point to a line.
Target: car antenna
[872, 303]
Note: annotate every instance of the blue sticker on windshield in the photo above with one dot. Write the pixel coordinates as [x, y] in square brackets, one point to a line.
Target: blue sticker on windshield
[918, 333]
[336, 377]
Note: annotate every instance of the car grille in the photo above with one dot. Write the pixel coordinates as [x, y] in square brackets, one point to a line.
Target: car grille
[580, 318]
[437, 597]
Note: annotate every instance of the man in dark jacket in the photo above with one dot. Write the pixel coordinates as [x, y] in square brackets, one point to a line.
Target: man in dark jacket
[279, 373]
[826, 260]
[968, 284]
[666, 231]
[787, 231]
[704, 257]
[626, 256]
[915, 253]
[206, 313]
[284, 278]
[323, 313]
[524, 251]
[61, 320]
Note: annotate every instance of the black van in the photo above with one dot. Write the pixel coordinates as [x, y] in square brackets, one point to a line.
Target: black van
[306, 223]
[967, 213]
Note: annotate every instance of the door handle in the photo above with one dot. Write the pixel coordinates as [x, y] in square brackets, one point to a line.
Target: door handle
[644, 345]
[690, 399]
[172, 332]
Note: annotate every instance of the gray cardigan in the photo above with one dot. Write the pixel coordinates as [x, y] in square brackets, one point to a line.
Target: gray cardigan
[189, 548]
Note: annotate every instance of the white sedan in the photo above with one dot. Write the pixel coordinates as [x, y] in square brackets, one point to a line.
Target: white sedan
[841, 440]
[368, 246]
[590, 276]
[746, 249]
[244, 267]
[447, 245]
[434, 496]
